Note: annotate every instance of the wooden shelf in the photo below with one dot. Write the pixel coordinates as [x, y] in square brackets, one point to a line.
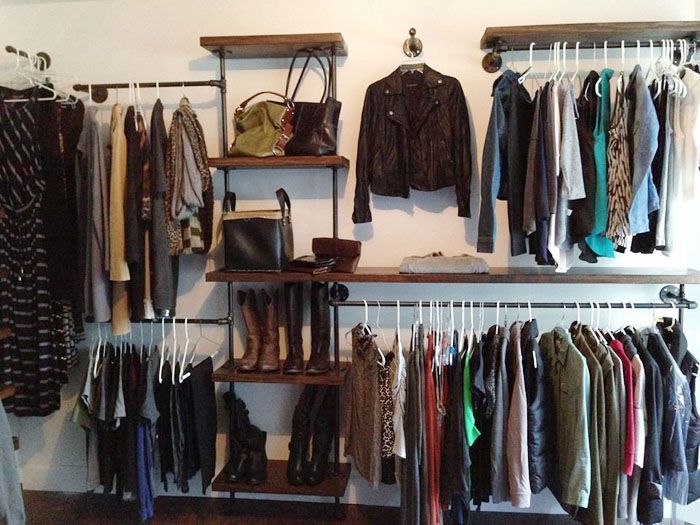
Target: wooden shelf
[5, 332]
[520, 37]
[327, 161]
[276, 483]
[496, 275]
[272, 46]
[7, 392]
[227, 374]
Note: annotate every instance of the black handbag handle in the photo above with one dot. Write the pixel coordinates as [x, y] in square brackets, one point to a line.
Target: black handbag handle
[310, 52]
[229, 203]
[283, 199]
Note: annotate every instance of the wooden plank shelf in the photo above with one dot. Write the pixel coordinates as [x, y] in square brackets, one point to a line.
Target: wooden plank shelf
[519, 38]
[272, 46]
[298, 162]
[512, 275]
[7, 392]
[276, 483]
[226, 374]
[5, 332]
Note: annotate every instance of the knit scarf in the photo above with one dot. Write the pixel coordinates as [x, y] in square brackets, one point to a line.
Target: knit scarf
[189, 180]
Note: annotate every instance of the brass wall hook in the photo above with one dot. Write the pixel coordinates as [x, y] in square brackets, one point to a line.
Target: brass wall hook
[412, 46]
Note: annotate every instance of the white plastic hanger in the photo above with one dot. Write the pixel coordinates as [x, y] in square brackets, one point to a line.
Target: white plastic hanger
[174, 356]
[621, 76]
[605, 57]
[162, 350]
[382, 361]
[183, 364]
[470, 334]
[529, 311]
[529, 70]
[157, 90]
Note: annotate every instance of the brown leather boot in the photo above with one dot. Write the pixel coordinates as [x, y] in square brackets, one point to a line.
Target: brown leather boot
[319, 361]
[269, 359]
[294, 314]
[254, 339]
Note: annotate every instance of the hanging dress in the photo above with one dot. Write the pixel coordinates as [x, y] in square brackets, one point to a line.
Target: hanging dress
[619, 177]
[597, 241]
[27, 359]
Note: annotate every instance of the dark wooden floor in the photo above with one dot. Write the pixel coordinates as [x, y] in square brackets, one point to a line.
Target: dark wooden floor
[96, 509]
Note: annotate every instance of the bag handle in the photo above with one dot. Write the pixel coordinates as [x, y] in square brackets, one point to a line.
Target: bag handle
[310, 52]
[288, 102]
[229, 203]
[283, 199]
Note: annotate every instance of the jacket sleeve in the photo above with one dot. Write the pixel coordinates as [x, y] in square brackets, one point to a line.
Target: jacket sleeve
[463, 153]
[363, 173]
[490, 181]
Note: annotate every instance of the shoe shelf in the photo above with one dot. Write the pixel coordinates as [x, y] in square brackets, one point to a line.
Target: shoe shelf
[333, 486]
[326, 161]
[512, 275]
[228, 373]
[272, 46]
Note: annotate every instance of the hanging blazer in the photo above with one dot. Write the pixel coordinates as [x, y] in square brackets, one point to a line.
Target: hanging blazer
[418, 140]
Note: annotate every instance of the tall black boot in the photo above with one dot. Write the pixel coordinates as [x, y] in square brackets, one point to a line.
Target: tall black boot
[294, 316]
[257, 473]
[299, 442]
[319, 361]
[322, 439]
[239, 463]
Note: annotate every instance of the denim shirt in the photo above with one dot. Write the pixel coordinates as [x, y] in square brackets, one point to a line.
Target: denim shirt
[645, 136]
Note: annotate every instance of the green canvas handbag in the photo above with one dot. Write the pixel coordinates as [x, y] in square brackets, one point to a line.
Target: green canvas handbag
[264, 128]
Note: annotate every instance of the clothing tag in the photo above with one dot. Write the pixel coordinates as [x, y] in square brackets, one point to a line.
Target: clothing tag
[534, 359]
[569, 211]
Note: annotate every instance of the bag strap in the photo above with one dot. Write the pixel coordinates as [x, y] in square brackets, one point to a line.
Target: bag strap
[310, 52]
[288, 102]
[229, 203]
[283, 199]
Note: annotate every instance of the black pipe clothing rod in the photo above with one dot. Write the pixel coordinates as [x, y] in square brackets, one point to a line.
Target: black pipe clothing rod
[125, 85]
[690, 305]
[181, 320]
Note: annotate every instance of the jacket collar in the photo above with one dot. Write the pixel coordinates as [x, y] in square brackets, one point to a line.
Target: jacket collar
[393, 86]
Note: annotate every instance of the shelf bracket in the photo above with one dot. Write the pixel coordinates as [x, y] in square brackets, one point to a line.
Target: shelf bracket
[672, 294]
[339, 293]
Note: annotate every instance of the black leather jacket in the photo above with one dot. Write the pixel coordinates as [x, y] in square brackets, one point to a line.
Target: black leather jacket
[415, 133]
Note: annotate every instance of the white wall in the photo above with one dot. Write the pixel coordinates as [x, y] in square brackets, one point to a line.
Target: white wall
[108, 40]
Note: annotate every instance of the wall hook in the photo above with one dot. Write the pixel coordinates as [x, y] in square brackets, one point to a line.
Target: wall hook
[412, 46]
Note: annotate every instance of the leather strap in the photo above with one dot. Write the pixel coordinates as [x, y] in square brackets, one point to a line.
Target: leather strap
[310, 52]
[283, 199]
[288, 102]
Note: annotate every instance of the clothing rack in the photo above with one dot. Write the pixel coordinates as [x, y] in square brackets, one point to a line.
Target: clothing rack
[587, 36]
[222, 321]
[45, 62]
[685, 303]
[99, 91]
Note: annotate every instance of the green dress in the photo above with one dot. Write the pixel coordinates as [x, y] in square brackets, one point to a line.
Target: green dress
[469, 421]
[597, 240]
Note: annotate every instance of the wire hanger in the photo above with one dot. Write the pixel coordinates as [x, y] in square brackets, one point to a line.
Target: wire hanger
[162, 350]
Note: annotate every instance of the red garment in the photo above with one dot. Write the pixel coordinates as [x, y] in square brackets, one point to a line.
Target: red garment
[619, 349]
[432, 438]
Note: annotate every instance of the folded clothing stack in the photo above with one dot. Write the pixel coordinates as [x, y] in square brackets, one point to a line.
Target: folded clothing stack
[436, 262]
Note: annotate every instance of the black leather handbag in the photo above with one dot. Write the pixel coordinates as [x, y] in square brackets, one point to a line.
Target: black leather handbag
[315, 124]
[257, 240]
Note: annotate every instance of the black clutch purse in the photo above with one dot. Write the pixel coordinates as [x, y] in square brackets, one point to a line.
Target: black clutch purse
[257, 240]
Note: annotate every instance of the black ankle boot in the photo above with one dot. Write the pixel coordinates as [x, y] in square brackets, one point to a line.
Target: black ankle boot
[322, 440]
[299, 442]
[257, 473]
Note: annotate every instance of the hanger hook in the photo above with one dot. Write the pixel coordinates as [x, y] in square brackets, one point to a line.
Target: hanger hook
[578, 313]
[532, 47]
[605, 53]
